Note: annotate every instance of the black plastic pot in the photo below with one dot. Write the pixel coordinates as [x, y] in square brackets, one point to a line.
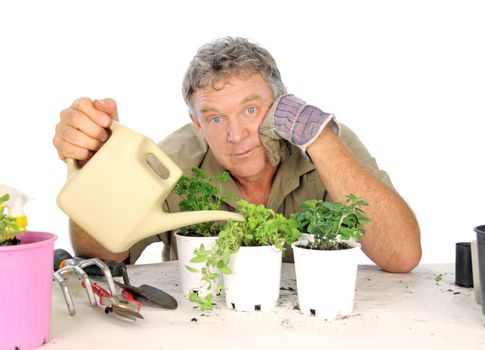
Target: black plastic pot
[463, 265]
[480, 230]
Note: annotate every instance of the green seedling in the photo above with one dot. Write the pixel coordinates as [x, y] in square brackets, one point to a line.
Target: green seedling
[199, 192]
[332, 223]
[262, 227]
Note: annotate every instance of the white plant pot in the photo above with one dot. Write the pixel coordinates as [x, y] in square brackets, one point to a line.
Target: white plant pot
[326, 280]
[185, 250]
[254, 283]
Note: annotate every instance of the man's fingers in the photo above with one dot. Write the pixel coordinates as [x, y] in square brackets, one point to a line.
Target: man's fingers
[108, 106]
[73, 118]
[70, 142]
[86, 106]
[77, 138]
[69, 150]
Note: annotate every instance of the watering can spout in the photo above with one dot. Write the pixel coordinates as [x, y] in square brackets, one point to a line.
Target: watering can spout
[171, 221]
[160, 221]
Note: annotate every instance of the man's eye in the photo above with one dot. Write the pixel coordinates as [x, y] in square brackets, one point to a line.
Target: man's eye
[216, 120]
[251, 110]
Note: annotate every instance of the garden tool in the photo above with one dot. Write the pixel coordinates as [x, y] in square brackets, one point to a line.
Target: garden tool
[152, 294]
[117, 195]
[145, 291]
[127, 309]
[63, 260]
[118, 269]
[66, 266]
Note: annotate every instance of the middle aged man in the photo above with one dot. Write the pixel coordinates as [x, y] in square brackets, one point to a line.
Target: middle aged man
[278, 150]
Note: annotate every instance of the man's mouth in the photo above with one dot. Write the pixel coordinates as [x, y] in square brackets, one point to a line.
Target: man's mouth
[243, 154]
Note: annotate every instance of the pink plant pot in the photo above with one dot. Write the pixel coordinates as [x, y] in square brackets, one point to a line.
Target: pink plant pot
[26, 291]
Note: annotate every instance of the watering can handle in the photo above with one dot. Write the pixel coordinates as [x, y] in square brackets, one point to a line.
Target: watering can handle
[149, 147]
[72, 164]
[174, 172]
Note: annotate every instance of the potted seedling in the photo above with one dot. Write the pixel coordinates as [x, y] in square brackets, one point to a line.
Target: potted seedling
[9, 229]
[248, 254]
[198, 192]
[326, 262]
[26, 277]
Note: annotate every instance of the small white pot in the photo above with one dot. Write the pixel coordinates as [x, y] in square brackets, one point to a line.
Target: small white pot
[326, 279]
[254, 283]
[185, 250]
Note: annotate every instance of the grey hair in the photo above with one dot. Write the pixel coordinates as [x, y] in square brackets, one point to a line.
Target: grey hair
[221, 59]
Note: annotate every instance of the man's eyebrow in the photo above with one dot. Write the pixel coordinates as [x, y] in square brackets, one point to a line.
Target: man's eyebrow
[250, 98]
[208, 109]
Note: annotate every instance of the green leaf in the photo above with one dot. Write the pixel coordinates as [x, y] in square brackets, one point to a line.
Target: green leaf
[198, 259]
[191, 269]
[194, 297]
[223, 268]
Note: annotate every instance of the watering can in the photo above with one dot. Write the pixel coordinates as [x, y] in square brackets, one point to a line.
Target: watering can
[117, 196]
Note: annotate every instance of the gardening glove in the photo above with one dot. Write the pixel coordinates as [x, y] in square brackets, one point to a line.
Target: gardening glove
[277, 149]
[291, 119]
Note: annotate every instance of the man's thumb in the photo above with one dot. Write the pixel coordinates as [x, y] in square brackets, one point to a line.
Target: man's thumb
[108, 106]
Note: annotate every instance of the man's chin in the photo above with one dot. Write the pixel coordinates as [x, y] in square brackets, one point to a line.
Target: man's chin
[248, 169]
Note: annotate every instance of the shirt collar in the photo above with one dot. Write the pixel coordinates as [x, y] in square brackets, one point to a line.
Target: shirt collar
[286, 180]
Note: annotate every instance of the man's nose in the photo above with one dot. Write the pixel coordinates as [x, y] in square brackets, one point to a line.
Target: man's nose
[236, 132]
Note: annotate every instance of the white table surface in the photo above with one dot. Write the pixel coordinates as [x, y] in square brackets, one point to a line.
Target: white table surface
[391, 311]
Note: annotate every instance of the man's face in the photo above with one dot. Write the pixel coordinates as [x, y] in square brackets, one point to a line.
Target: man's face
[229, 120]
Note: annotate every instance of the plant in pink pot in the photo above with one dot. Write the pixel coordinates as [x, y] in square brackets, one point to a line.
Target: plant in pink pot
[26, 262]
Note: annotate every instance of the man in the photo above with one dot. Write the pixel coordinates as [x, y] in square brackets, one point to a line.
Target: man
[278, 150]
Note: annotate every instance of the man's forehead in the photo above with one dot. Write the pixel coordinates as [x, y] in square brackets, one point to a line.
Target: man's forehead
[237, 90]
[205, 107]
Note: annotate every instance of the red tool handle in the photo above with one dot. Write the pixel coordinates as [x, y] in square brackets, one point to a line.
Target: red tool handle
[99, 291]
[103, 293]
[130, 298]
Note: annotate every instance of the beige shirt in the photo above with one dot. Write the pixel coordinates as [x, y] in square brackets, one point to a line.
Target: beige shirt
[296, 180]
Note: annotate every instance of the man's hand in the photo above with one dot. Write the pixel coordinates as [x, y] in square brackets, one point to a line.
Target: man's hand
[82, 128]
[291, 119]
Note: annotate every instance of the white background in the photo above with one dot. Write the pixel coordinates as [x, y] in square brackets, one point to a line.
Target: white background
[407, 76]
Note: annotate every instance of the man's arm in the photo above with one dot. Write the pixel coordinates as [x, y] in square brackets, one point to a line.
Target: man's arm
[84, 244]
[392, 238]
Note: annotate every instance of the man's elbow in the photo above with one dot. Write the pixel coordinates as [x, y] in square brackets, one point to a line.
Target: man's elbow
[407, 254]
[404, 261]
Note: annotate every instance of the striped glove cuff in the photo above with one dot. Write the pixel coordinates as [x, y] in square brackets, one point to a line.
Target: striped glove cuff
[300, 123]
